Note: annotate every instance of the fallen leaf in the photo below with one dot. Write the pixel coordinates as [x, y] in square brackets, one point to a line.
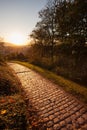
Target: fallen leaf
[11, 100]
[3, 112]
[2, 101]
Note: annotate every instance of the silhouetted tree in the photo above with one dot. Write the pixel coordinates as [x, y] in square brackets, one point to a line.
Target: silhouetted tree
[64, 21]
[2, 49]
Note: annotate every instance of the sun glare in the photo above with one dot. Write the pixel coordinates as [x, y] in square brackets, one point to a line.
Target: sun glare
[17, 39]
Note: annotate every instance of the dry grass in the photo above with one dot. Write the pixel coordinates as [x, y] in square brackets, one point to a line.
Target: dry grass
[12, 104]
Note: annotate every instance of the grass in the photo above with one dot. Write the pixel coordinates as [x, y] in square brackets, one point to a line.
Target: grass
[69, 86]
[12, 105]
[8, 86]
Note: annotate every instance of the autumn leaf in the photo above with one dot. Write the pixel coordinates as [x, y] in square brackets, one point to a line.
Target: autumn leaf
[2, 101]
[3, 112]
[11, 100]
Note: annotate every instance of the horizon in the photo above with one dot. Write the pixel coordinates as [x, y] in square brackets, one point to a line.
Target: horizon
[18, 19]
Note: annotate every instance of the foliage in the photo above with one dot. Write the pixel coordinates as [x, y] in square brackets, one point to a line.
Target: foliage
[60, 39]
[64, 21]
[8, 86]
[2, 61]
[12, 113]
[16, 56]
[12, 105]
[1, 51]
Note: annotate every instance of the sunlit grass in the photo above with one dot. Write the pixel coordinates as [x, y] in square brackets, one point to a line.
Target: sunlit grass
[75, 89]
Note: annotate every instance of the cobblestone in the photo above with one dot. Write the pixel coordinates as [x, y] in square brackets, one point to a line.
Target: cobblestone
[46, 119]
[56, 127]
[51, 117]
[56, 120]
[58, 109]
[50, 124]
[81, 121]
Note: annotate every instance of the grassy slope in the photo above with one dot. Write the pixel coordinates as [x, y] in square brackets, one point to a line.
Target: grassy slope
[75, 89]
[12, 104]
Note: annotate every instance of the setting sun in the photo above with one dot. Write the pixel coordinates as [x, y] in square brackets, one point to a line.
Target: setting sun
[17, 39]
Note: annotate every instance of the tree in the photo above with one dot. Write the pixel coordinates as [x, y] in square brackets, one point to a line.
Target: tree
[72, 20]
[2, 49]
[45, 31]
[62, 20]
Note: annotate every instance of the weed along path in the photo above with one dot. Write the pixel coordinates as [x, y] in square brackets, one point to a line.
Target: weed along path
[57, 109]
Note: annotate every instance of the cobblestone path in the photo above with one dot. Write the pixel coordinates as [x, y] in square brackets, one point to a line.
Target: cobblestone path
[59, 110]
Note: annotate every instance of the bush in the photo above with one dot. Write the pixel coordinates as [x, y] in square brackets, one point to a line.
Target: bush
[1, 60]
[8, 86]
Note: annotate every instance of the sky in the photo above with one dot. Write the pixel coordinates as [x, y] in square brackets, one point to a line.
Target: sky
[19, 16]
